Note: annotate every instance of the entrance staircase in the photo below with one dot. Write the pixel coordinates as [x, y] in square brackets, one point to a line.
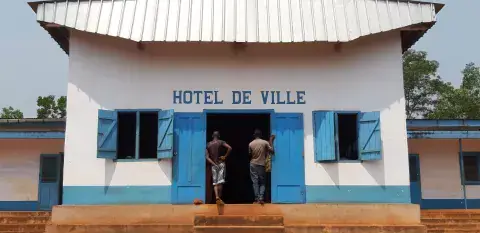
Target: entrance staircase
[238, 224]
[439, 221]
[269, 218]
[24, 222]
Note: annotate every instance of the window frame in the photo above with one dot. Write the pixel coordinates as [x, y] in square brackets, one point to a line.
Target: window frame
[462, 171]
[137, 134]
[337, 143]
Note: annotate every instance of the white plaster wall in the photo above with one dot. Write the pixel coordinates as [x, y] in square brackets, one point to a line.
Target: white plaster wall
[112, 73]
[20, 166]
[440, 167]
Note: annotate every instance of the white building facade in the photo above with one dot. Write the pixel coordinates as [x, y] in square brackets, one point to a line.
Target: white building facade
[140, 114]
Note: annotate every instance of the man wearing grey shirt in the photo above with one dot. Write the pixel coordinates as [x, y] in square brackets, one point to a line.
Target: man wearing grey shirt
[259, 149]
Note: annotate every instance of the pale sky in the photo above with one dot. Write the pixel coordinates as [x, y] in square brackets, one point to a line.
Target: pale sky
[32, 64]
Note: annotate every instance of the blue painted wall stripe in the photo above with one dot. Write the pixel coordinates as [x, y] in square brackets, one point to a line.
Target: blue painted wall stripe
[442, 123]
[18, 205]
[443, 134]
[31, 135]
[449, 204]
[357, 194]
[98, 195]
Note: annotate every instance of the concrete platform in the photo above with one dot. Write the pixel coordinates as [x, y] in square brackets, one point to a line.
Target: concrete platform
[378, 214]
[272, 218]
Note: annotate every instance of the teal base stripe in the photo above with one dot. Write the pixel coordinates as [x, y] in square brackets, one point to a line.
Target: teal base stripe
[104, 195]
[357, 194]
[18, 205]
[449, 204]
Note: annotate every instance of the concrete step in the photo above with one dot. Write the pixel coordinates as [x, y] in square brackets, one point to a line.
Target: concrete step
[24, 220]
[355, 229]
[239, 229]
[24, 213]
[451, 214]
[427, 221]
[22, 227]
[22, 231]
[246, 209]
[464, 226]
[238, 220]
[452, 231]
[131, 228]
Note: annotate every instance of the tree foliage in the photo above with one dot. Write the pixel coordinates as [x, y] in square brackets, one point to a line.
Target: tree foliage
[462, 102]
[49, 107]
[421, 83]
[11, 113]
[428, 96]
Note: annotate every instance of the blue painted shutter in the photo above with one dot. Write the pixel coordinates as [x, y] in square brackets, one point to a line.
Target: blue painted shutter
[107, 134]
[369, 138]
[324, 135]
[165, 134]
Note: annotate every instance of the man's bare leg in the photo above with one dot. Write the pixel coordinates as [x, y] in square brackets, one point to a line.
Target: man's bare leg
[218, 193]
[220, 190]
[215, 189]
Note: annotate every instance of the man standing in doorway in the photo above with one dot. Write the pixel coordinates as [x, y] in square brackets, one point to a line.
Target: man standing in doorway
[259, 150]
[214, 157]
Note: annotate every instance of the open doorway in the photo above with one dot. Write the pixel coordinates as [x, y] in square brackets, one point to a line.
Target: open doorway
[237, 130]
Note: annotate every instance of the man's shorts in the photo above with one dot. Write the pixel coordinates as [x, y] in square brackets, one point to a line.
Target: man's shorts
[218, 174]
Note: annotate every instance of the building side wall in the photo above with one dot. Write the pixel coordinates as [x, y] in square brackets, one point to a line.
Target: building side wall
[108, 73]
[440, 170]
[20, 166]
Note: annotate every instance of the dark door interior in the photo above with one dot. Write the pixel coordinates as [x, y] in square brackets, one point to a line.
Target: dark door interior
[237, 130]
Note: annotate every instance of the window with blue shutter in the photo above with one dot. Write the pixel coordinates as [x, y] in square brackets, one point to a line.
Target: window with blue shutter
[107, 134]
[165, 134]
[346, 136]
[324, 136]
[369, 139]
[135, 134]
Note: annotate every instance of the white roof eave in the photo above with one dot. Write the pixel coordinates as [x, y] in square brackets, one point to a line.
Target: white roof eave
[264, 21]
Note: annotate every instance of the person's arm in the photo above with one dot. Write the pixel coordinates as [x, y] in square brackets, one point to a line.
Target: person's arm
[250, 152]
[229, 149]
[209, 159]
[270, 143]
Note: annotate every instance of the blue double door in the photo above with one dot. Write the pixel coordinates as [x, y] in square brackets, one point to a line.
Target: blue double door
[189, 173]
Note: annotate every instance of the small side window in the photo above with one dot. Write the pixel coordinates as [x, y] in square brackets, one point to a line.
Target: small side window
[347, 134]
[135, 134]
[471, 167]
[148, 135]
[127, 126]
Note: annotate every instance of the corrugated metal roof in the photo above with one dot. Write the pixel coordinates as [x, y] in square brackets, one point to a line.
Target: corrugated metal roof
[32, 125]
[266, 21]
[32, 120]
